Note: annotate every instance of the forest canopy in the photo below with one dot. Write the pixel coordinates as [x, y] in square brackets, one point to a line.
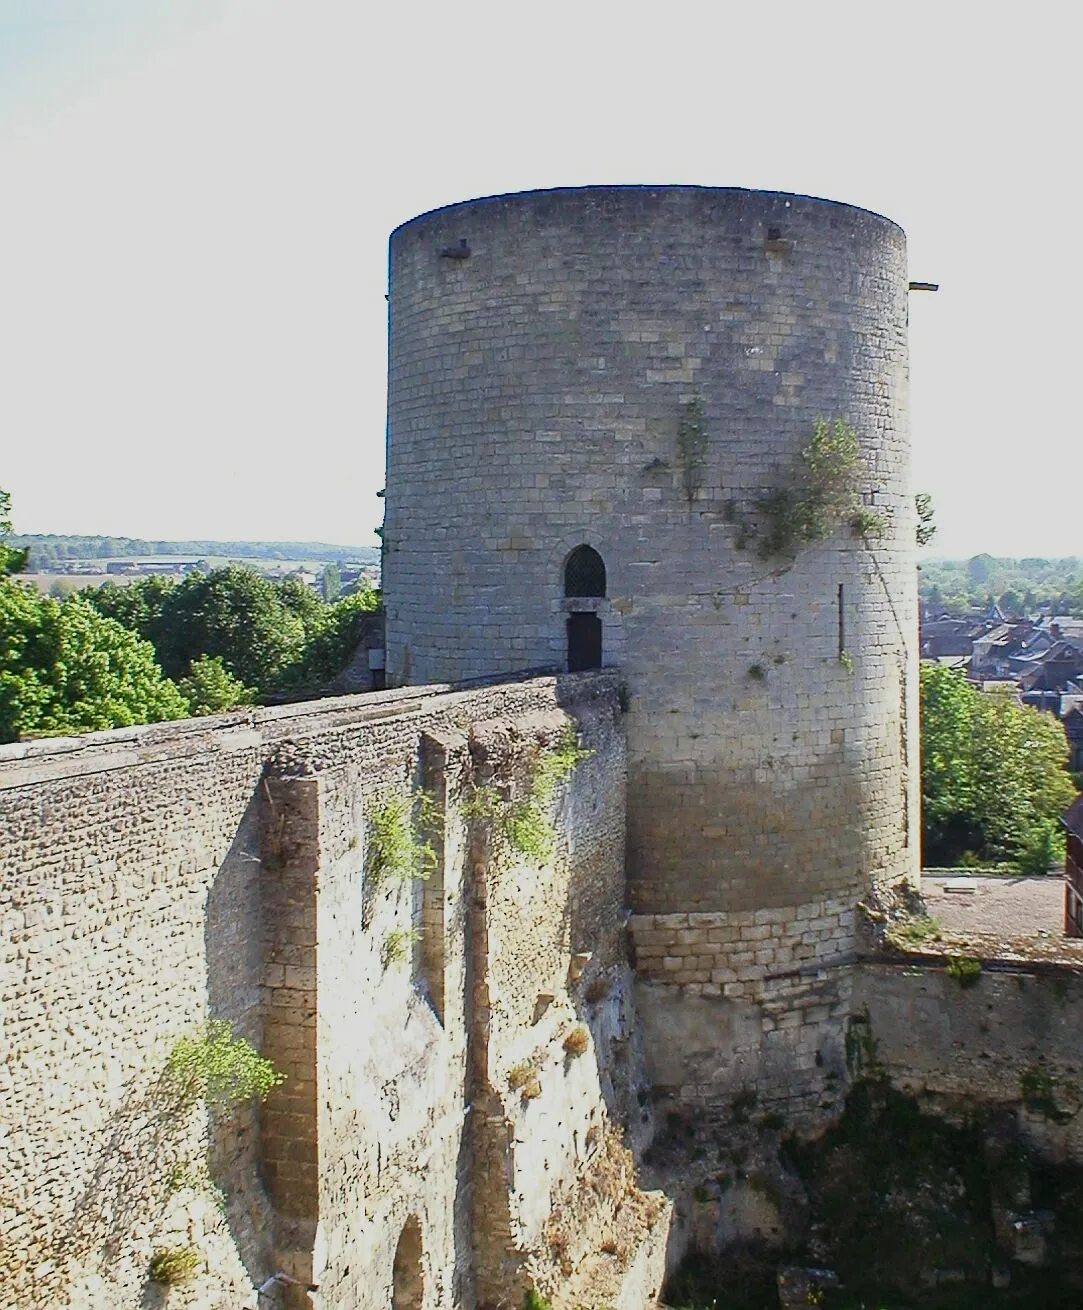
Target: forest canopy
[163, 649]
[1019, 586]
[64, 668]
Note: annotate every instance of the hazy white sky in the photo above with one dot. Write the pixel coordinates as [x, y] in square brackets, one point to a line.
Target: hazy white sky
[197, 196]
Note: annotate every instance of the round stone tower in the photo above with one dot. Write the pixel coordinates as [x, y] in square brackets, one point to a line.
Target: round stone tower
[598, 404]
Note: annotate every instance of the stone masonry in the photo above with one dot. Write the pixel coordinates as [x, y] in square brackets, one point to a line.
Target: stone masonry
[770, 987]
[634, 369]
[152, 877]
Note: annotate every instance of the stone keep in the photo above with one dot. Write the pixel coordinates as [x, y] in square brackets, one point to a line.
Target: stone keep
[633, 369]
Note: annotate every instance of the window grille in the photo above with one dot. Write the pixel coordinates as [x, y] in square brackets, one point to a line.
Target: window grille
[584, 573]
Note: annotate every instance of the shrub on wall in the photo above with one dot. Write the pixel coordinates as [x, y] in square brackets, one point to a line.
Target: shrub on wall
[396, 848]
[398, 944]
[820, 492]
[173, 1265]
[223, 1070]
[577, 1040]
[525, 825]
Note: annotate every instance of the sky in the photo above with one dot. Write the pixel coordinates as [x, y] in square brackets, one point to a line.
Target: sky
[197, 196]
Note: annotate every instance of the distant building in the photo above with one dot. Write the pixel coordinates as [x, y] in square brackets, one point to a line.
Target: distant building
[1072, 719]
[1073, 870]
[947, 636]
[994, 650]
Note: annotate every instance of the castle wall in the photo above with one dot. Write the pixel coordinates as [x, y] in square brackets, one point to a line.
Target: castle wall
[131, 908]
[756, 1002]
[153, 876]
[1009, 1042]
[540, 395]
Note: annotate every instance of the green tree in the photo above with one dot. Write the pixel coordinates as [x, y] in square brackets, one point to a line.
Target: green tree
[993, 780]
[11, 559]
[1020, 783]
[210, 689]
[138, 606]
[64, 668]
[303, 602]
[233, 613]
[330, 583]
[947, 704]
[273, 638]
[1071, 601]
[333, 641]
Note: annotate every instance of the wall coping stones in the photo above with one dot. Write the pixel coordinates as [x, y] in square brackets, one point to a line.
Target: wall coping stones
[52, 758]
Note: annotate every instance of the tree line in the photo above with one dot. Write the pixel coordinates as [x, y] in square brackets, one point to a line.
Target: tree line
[1019, 586]
[48, 549]
[161, 648]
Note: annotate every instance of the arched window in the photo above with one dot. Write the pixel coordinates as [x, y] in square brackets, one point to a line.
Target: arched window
[584, 574]
[408, 1282]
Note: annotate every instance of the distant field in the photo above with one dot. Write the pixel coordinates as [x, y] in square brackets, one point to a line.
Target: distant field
[52, 556]
[47, 548]
[67, 582]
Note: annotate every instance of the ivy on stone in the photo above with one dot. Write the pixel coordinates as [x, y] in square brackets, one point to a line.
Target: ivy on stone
[821, 492]
[692, 446]
[396, 848]
[524, 825]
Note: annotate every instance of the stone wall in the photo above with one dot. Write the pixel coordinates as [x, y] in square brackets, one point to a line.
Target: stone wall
[750, 1003]
[130, 902]
[152, 877]
[537, 393]
[636, 369]
[1010, 1041]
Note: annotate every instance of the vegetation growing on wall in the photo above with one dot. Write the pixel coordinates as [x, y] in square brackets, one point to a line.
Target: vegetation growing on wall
[524, 825]
[921, 930]
[397, 849]
[174, 1265]
[397, 945]
[692, 446]
[214, 1066]
[923, 505]
[577, 1041]
[820, 492]
[964, 969]
[196, 1174]
[896, 1193]
[906, 1209]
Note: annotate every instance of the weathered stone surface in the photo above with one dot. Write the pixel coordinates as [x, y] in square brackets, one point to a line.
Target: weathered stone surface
[151, 877]
[1010, 1040]
[536, 397]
